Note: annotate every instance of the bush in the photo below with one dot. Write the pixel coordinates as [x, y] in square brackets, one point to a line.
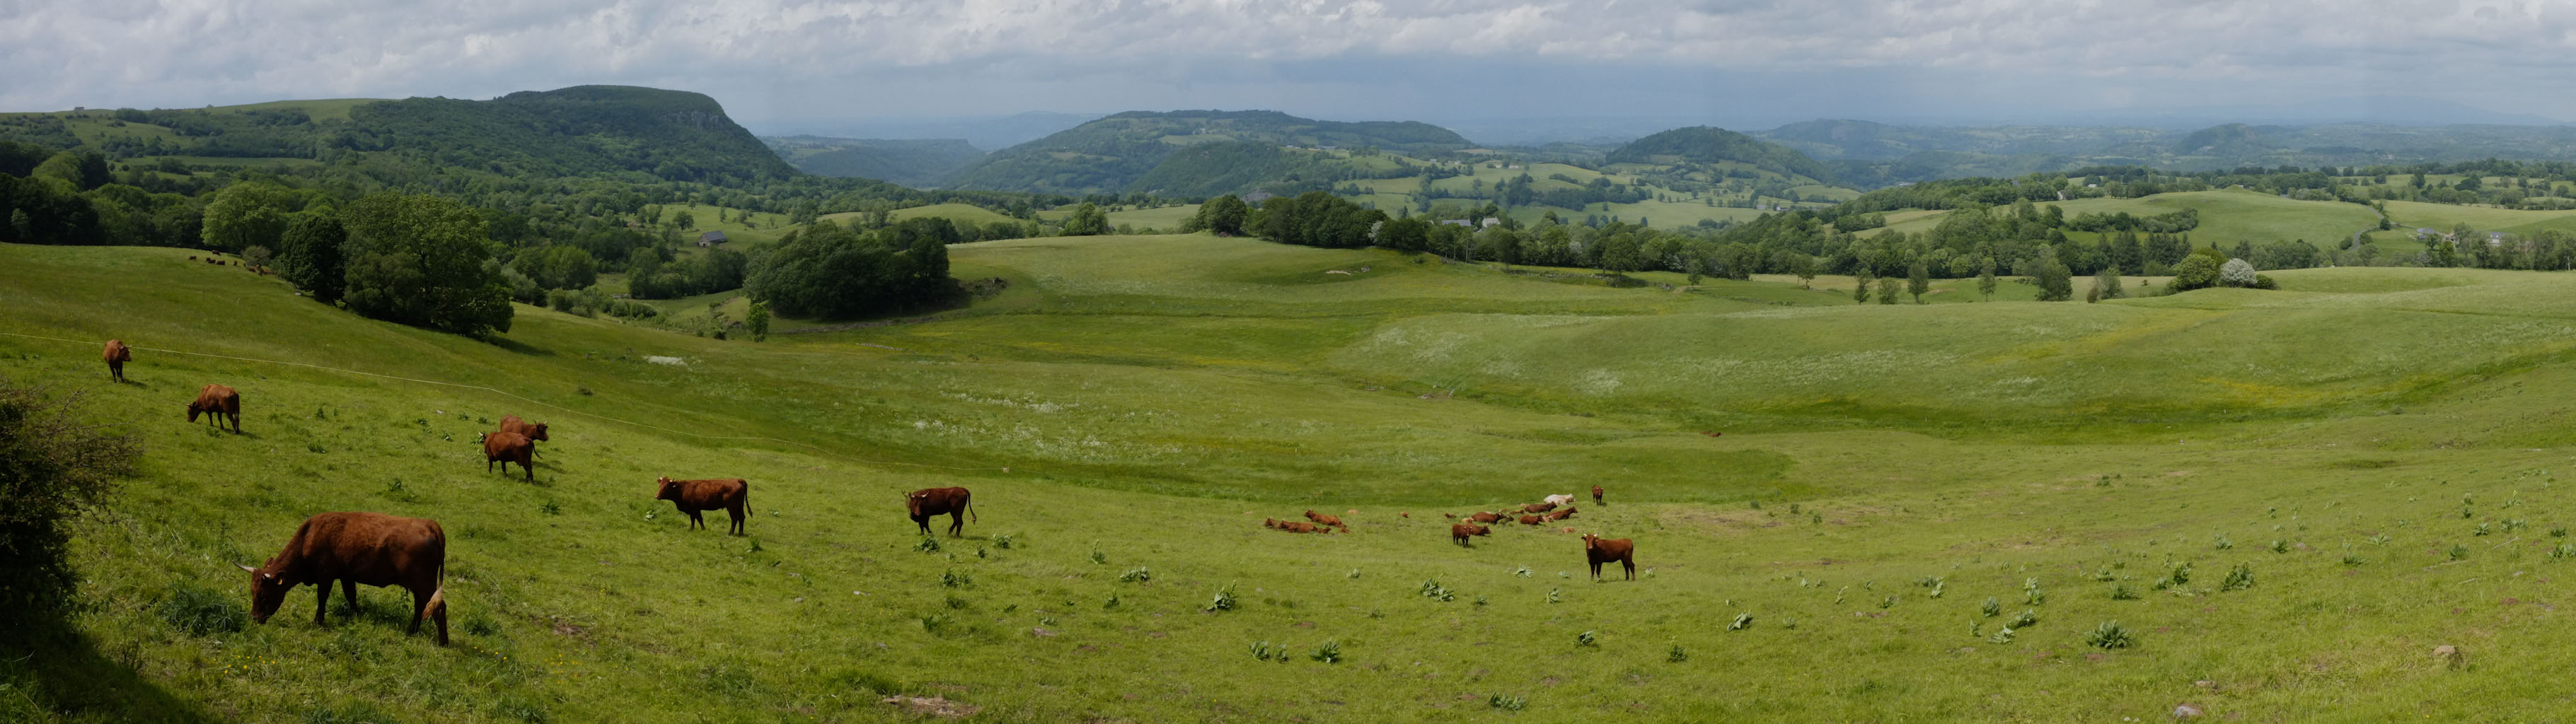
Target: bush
[51, 463]
[2110, 635]
[2194, 272]
[424, 261]
[2236, 273]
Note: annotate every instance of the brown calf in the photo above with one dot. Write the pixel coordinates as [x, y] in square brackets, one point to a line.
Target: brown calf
[217, 403]
[1596, 495]
[510, 447]
[1322, 519]
[1460, 531]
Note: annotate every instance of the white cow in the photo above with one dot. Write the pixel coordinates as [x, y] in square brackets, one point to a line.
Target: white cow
[1561, 499]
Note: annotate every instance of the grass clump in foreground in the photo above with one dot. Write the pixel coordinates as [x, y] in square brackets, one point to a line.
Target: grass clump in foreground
[1182, 381]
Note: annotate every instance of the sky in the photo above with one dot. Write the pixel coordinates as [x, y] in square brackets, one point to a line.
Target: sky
[789, 65]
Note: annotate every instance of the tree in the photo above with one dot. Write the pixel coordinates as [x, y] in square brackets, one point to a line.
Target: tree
[309, 256]
[1887, 288]
[1224, 215]
[758, 321]
[2107, 284]
[1803, 267]
[1986, 279]
[1918, 279]
[52, 463]
[421, 260]
[1087, 220]
[247, 214]
[2193, 272]
[2056, 284]
[682, 220]
[1860, 287]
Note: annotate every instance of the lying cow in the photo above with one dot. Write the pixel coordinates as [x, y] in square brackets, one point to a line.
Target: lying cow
[956, 503]
[354, 548]
[1558, 515]
[1459, 532]
[1486, 518]
[1600, 550]
[694, 497]
[1331, 520]
[1560, 499]
[1538, 507]
[1529, 520]
[510, 447]
[117, 354]
[217, 403]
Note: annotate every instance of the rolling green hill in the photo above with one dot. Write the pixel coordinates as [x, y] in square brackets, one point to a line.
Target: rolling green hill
[1112, 154]
[2293, 496]
[1708, 146]
[919, 163]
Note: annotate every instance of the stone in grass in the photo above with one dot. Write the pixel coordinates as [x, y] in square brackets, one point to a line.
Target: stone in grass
[2449, 656]
[2185, 711]
[932, 706]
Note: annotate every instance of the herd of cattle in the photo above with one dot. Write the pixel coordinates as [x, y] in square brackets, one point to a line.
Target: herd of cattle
[380, 550]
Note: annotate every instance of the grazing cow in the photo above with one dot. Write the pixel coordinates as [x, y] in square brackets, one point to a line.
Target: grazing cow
[694, 496]
[1486, 517]
[1558, 515]
[117, 354]
[1460, 531]
[956, 503]
[1538, 507]
[1596, 495]
[1322, 519]
[1601, 550]
[1560, 499]
[510, 447]
[533, 430]
[354, 548]
[1529, 520]
[217, 403]
[1270, 522]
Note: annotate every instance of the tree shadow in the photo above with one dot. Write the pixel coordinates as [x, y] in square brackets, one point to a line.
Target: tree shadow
[520, 348]
[73, 680]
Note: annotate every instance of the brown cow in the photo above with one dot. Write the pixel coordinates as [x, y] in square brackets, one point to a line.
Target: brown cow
[1602, 550]
[1529, 520]
[533, 430]
[217, 402]
[1303, 527]
[1596, 495]
[117, 354]
[354, 548]
[956, 503]
[1486, 517]
[1568, 512]
[1460, 531]
[1331, 520]
[694, 496]
[509, 447]
[1270, 522]
[1538, 507]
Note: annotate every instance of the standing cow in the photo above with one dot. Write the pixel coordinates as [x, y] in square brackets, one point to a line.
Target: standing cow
[1601, 550]
[354, 548]
[510, 447]
[217, 403]
[534, 431]
[1460, 531]
[117, 354]
[1596, 495]
[956, 503]
[693, 496]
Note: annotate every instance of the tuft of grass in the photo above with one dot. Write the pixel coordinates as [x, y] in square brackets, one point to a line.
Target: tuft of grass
[953, 579]
[2238, 578]
[1676, 655]
[201, 611]
[926, 545]
[1506, 703]
[1330, 652]
[1139, 574]
[1003, 541]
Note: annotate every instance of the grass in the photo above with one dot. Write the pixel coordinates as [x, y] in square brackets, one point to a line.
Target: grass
[2226, 216]
[1155, 397]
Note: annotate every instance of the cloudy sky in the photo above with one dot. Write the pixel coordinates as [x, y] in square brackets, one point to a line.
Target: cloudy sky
[783, 63]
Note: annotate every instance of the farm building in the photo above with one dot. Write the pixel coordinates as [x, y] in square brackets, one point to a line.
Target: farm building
[711, 238]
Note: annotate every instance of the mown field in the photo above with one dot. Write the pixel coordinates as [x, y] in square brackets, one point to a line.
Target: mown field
[2285, 500]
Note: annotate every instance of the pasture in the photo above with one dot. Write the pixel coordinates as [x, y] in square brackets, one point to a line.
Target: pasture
[2285, 500]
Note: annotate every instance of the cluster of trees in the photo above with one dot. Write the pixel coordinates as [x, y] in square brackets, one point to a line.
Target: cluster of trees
[828, 271]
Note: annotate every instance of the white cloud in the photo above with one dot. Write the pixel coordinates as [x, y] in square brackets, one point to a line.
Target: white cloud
[189, 52]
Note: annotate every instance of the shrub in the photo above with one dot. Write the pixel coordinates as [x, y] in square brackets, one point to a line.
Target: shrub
[1138, 575]
[1587, 638]
[2239, 578]
[2025, 619]
[2459, 552]
[927, 545]
[1002, 541]
[1224, 600]
[953, 579]
[1507, 703]
[1330, 652]
[1992, 607]
[2122, 592]
[1261, 651]
[2194, 272]
[51, 464]
[1742, 622]
[1677, 655]
[1433, 590]
[2236, 273]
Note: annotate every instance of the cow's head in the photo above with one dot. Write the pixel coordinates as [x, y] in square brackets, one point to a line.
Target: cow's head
[665, 489]
[1591, 541]
[193, 409]
[912, 502]
[537, 431]
[267, 592]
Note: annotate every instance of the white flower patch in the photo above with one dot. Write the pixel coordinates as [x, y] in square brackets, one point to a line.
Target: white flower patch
[661, 360]
[1598, 382]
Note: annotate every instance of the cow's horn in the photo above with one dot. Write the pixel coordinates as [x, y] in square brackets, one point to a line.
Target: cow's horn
[246, 568]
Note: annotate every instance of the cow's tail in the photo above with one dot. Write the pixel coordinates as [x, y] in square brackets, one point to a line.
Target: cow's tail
[970, 508]
[438, 596]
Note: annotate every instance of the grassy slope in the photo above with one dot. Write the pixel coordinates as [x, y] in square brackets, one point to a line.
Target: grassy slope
[1155, 397]
[2226, 217]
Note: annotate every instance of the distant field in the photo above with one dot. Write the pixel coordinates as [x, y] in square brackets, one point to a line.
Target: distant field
[2226, 217]
[2441, 217]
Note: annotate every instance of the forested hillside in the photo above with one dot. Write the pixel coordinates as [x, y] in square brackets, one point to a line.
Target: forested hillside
[918, 163]
[1113, 154]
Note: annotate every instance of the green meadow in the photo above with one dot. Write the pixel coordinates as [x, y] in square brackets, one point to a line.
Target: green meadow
[2272, 506]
